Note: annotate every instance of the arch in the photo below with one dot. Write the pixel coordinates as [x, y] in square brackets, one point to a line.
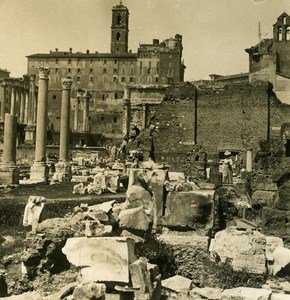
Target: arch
[119, 20]
[280, 34]
[118, 36]
[288, 33]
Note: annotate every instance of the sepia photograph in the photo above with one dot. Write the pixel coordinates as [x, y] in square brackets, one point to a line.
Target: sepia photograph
[145, 149]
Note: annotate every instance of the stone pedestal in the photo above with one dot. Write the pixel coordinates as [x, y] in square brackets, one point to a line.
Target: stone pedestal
[9, 173]
[39, 172]
[30, 134]
[63, 171]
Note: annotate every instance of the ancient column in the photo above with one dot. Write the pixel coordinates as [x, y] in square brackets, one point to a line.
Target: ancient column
[76, 120]
[9, 173]
[249, 160]
[126, 112]
[26, 107]
[39, 170]
[30, 128]
[13, 102]
[22, 107]
[144, 115]
[86, 112]
[3, 102]
[63, 167]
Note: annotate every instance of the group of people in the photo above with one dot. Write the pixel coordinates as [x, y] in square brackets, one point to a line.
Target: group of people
[231, 164]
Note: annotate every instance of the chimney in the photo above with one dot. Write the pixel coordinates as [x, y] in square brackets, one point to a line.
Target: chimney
[88, 51]
[155, 41]
[70, 50]
[56, 49]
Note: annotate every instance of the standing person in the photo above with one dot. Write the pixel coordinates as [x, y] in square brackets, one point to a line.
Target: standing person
[227, 168]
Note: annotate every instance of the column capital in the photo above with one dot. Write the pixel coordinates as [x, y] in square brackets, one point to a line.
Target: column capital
[43, 73]
[32, 77]
[66, 83]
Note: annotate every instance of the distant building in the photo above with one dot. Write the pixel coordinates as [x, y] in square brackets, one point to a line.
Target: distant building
[4, 74]
[269, 60]
[106, 74]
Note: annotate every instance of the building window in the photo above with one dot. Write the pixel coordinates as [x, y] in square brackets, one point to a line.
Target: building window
[79, 71]
[103, 97]
[115, 79]
[69, 70]
[284, 20]
[117, 49]
[69, 61]
[56, 60]
[91, 79]
[91, 71]
[119, 20]
[102, 118]
[280, 34]
[115, 119]
[116, 96]
[288, 33]
[78, 78]
[115, 61]
[123, 79]
[156, 79]
[149, 79]
[91, 61]
[105, 61]
[131, 71]
[118, 36]
[131, 79]
[56, 70]
[54, 97]
[105, 71]
[115, 71]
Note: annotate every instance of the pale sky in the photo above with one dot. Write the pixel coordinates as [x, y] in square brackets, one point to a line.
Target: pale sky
[215, 32]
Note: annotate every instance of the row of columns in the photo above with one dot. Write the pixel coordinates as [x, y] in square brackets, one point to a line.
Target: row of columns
[85, 96]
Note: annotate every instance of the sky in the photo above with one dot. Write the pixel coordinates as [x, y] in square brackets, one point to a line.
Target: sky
[215, 32]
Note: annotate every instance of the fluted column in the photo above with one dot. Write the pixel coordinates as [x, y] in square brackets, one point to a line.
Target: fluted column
[86, 112]
[76, 117]
[39, 170]
[22, 106]
[26, 107]
[126, 112]
[144, 115]
[63, 167]
[31, 99]
[13, 102]
[3, 102]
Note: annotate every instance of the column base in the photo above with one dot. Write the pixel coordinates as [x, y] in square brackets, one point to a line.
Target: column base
[9, 173]
[30, 134]
[63, 172]
[39, 172]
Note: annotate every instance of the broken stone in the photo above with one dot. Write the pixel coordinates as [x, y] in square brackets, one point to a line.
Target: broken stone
[90, 291]
[134, 218]
[140, 278]
[246, 293]
[206, 293]
[66, 290]
[137, 239]
[244, 249]
[101, 259]
[105, 206]
[281, 257]
[191, 209]
[272, 242]
[97, 215]
[92, 189]
[243, 224]
[206, 186]
[279, 297]
[177, 283]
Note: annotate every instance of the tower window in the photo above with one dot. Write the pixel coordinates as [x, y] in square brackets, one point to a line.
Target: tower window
[131, 79]
[105, 71]
[119, 20]
[116, 96]
[78, 78]
[91, 79]
[123, 79]
[288, 33]
[69, 70]
[54, 97]
[156, 79]
[115, 119]
[79, 71]
[102, 118]
[284, 21]
[115, 71]
[280, 34]
[103, 97]
[115, 79]
[118, 36]
[91, 71]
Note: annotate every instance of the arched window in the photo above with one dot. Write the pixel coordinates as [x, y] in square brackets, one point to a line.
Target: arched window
[280, 34]
[284, 20]
[119, 20]
[118, 36]
[288, 33]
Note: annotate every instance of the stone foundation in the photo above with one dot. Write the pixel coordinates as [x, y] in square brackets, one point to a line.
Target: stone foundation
[9, 174]
[39, 172]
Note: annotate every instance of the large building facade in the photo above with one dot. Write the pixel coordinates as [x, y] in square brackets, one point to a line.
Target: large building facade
[106, 74]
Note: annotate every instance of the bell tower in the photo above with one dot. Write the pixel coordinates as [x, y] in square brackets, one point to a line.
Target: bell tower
[119, 29]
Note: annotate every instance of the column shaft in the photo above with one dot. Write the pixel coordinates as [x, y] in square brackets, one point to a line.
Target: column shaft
[12, 102]
[249, 160]
[10, 136]
[3, 101]
[85, 114]
[76, 120]
[26, 108]
[22, 107]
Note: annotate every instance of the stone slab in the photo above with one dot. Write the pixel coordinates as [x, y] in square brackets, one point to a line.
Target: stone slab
[246, 293]
[177, 283]
[101, 259]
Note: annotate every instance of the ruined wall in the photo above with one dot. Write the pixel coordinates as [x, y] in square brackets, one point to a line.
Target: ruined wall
[232, 117]
[282, 88]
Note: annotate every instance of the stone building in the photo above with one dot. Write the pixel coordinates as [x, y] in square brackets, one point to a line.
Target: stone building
[269, 60]
[104, 75]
